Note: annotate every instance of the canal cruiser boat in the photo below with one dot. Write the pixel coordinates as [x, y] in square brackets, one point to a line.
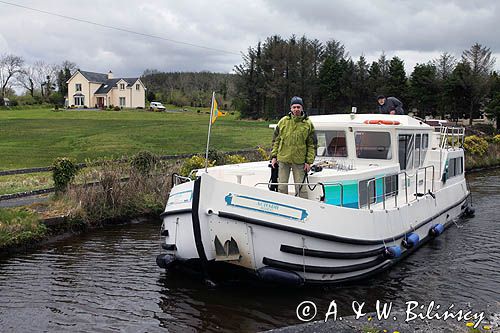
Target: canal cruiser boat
[380, 187]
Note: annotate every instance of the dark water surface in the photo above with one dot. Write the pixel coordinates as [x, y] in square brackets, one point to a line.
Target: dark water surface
[107, 280]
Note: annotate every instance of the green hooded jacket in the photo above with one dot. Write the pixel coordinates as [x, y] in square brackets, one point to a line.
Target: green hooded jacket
[294, 140]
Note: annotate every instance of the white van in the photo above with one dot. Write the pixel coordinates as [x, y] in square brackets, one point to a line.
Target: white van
[156, 106]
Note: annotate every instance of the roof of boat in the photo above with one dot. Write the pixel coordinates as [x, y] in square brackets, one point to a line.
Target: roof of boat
[368, 120]
[358, 119]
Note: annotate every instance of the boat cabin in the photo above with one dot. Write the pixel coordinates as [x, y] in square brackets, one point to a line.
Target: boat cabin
[369, 160]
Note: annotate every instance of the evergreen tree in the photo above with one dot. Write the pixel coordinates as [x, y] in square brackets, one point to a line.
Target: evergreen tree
[424, 89]
[481, 63]
[444, 65]
[396, 79]
[363, 97]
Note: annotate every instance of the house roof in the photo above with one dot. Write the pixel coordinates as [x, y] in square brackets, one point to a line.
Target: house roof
[95, 77]
[108, 84]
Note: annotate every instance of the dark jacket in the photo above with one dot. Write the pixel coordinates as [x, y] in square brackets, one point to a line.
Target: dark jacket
[391, 103]
[294, 140]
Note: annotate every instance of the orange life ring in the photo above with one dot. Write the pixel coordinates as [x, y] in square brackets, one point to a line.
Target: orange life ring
[382, 122]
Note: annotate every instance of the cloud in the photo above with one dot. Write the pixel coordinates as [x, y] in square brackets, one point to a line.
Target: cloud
[414, 31]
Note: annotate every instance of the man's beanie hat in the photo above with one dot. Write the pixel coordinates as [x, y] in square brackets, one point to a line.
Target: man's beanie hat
[296, 100]
[380, 97]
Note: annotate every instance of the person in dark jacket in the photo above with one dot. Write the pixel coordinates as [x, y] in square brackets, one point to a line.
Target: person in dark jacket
[389, 105]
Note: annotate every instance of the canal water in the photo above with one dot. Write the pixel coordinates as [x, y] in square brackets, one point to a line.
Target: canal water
[107, 280]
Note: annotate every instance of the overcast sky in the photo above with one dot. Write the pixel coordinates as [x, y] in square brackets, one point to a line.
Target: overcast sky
[416, 31]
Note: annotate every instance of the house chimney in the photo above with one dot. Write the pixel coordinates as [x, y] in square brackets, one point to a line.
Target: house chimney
[110, 75]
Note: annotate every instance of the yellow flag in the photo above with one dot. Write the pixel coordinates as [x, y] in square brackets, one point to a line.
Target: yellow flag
[216, 112]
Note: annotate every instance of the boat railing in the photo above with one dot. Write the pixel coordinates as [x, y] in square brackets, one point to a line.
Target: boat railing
[178, 179]
[311, 186]
[451, 137]
[384, 195]
[425, 179]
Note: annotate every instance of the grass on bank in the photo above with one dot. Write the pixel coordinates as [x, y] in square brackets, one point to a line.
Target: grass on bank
[18, 226]
[35, 137]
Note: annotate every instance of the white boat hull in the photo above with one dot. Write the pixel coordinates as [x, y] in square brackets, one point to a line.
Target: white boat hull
[282, 237]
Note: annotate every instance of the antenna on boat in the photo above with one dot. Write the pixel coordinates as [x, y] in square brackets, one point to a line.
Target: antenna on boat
[353, 112]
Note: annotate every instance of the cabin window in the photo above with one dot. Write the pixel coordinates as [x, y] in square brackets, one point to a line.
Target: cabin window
[365, 192]
[405, 151]
[418, 142]
[332, 143]
[379, 188]
[421, 146]
[391, 185]
[455, 166]
[423, 149]
[373, 145]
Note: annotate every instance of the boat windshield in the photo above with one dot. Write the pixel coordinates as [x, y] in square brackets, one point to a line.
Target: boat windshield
[373, 145]
[332, 143]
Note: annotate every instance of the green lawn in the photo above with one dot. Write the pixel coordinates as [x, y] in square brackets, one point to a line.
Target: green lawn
[35, 137]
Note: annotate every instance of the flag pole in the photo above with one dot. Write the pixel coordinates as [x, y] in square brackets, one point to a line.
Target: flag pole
[209, 128]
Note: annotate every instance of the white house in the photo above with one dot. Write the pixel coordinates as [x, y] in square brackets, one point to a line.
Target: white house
[101, 90]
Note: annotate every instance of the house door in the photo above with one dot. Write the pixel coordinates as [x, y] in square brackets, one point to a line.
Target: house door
[100, 102]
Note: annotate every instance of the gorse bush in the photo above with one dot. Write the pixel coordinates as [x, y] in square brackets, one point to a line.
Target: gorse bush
[217, 157]
[194, 162]
[496, 139]
[63, 172]
[144, 162]
[475, 145]
[235, 159]
[263, 153]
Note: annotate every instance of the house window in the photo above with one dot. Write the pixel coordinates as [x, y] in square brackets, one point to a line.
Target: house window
[122, 86]
[79, 100]
[122, 101]
[137, 86]
[78, 87]
[373, 145]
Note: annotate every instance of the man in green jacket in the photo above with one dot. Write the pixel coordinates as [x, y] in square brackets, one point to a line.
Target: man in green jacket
[294, 147]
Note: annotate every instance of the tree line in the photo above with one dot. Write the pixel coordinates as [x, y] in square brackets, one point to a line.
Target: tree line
[323, 73]
[330, 81]
[189, 88]
[43, 82]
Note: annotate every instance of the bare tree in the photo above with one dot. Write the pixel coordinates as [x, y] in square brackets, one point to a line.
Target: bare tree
[26, 79]
[39, 76]
[10, 66]
[69, 65]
